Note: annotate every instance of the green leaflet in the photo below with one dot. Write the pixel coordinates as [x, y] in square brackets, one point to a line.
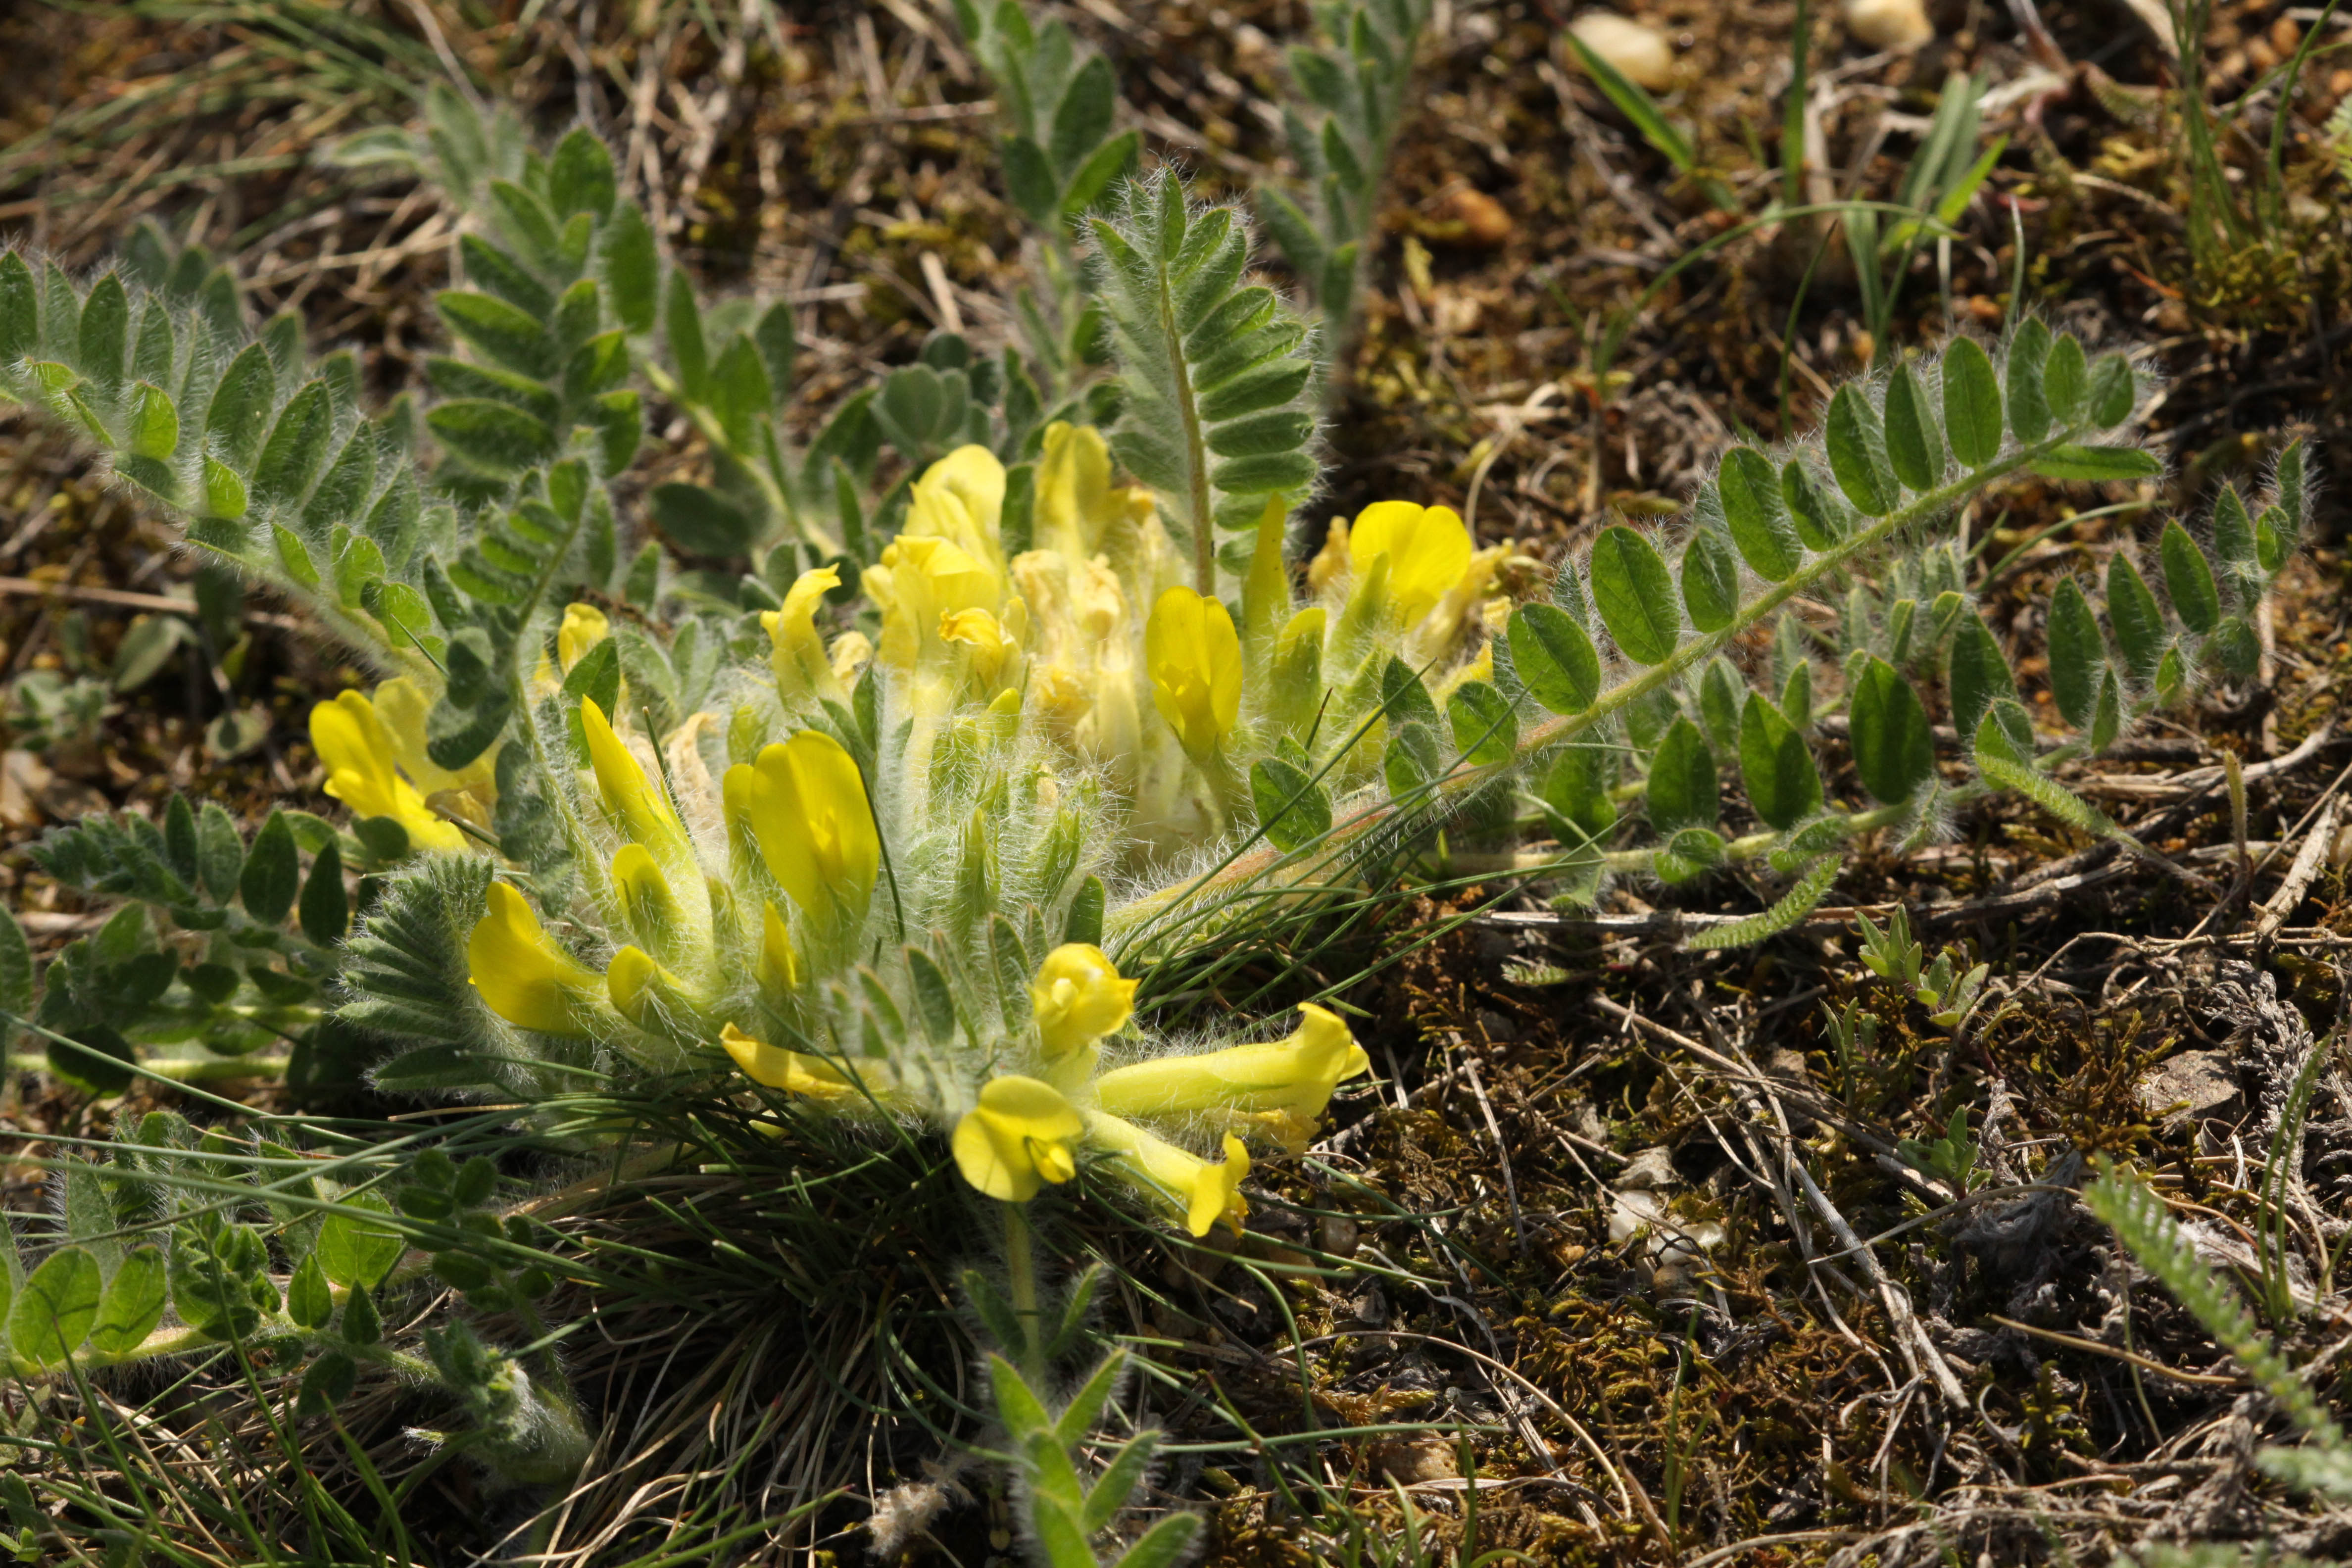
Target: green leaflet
[54, 1308]
[1555, 658]
[1978, 675]
[1972, 413]
[2137, 619]
[1914, 445]
[1857, 448]
[2189, 579]
[1756, 514]
[2078, 655]
[2029, 408]
[1682, 792]
[1783, 784]
[1710, 581]
[1894, 749]
[1634, 594]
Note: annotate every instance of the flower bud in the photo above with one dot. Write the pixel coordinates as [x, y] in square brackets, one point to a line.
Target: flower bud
[801, 1073]
[523, 974]
[639, 806]
[798, 656]
[1078, 997]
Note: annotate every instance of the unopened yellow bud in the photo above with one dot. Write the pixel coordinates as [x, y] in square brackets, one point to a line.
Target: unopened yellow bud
[809, 812]
[1017, 1139]
[639, 806]
[644, 893]
[798, 654]
[779, 966]
[363, 774]
[1201, 1192]
[1194, 658]
[1079, 997]
[1427, 546]
[1283, 1084]
[523, 974]
[584, 626]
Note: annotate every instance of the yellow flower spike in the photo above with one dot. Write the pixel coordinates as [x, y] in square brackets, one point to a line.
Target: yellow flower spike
[1017, 1139]
[1428, 549]
[815, 830]
[779, 966]
[402, 706]
[1282, 1084]
[1202, 1193]
[584, 626]
[642, 805]
[1078, 997]
[523, 974]
[798, 654]
[1194, 658]
[361, 773]
[801, 1073]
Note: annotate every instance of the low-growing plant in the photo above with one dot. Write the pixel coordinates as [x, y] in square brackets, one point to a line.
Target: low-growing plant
[905, 832]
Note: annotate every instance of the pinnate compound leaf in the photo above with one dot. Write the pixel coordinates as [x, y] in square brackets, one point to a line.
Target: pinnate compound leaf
[1857, 447]
[1972, 413]
[1787, 911]
[1635, 596]
[1894, 749]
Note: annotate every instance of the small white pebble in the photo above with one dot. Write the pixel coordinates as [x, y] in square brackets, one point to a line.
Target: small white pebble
[1640, 54]
[1889, 24]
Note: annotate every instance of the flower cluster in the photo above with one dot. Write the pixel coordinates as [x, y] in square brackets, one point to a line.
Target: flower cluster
[889, 902]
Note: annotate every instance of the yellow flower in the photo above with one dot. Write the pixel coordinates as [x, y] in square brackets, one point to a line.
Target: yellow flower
[584, 628]
[920, 580]
[523, 974]
[361, 772]
[644, 893]
[642, 807]
[1202, 1193]
[1078, 998]
[649, 995]
[798, 656]
[801, 1073]
[1017, 1139]
[1428, 549]
[1194, 657]
[961, 498]
[808, 810]
[1283, 1084]
[402, 706]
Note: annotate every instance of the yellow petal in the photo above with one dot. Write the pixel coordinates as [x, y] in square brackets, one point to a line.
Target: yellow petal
[1016, 1139]
[1194, 658]
[794, 1071]
[798, 654]
[809, 811]
[357, 750]
[1078, 997]
[584, 626]
[641, 805]
[1293, 1076]
[1200, 1192]
[1428, 549]
[779, 966]
[522, 974]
